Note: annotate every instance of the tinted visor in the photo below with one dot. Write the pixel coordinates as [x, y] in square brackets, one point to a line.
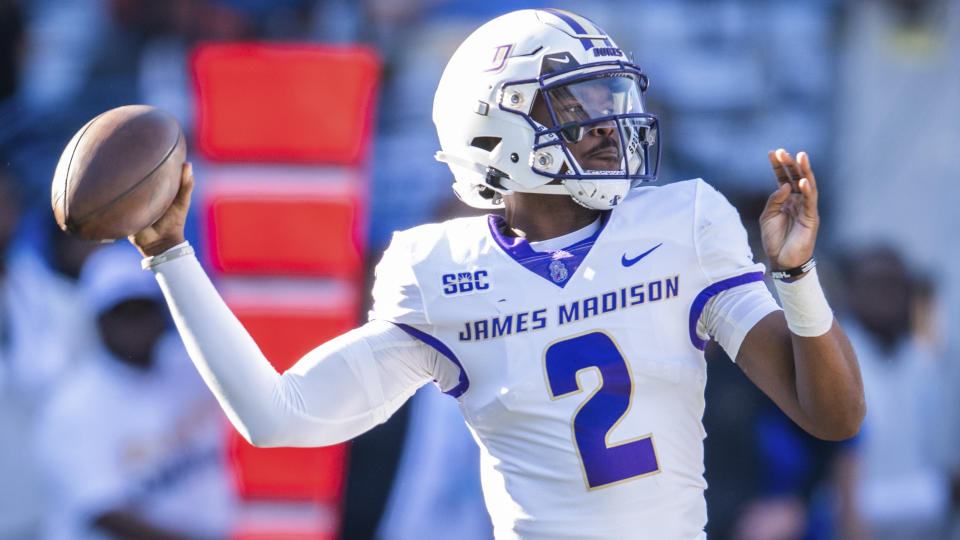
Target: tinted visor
[603, 125]
[594, 99]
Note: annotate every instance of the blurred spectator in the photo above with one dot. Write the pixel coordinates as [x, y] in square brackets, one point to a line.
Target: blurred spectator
[767, 478]
[11, 47]
[9, 213]
[132, 444]
[42, 325]
[65, 253]
[898, 130]
[807, 486]
[18, 494]
[904, 488]
[39, 298]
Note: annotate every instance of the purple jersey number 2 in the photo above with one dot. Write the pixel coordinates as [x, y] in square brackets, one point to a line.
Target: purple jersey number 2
[603, 464]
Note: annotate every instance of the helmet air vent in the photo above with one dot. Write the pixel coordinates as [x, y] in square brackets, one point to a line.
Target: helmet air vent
[485, 143]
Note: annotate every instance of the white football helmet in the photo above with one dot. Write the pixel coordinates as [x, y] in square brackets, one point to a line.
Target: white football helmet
[543, 101]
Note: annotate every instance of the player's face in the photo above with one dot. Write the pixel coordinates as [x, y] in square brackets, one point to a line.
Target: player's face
[595, 144]
[131, 328]
[888, 313]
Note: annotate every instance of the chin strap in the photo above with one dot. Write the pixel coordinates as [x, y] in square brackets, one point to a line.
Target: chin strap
[547, 189]
[452, 159]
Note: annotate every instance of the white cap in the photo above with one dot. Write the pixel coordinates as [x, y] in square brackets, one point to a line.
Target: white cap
[112, 274]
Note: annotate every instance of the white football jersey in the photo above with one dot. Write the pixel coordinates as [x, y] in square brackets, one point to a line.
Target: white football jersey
[580, 371]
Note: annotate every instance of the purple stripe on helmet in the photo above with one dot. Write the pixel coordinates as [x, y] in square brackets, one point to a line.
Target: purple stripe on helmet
[558, 266]
[574, 25]
[709, 292]
[464, 382]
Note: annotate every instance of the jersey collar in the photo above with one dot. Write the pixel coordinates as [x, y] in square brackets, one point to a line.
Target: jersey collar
[556, 266]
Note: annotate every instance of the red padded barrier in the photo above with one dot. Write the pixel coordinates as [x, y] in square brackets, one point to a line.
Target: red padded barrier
[280, 534]
[305, 232]
[287, 319]
[286, 335]
[299, 103]
[283, 533]
[311, 474]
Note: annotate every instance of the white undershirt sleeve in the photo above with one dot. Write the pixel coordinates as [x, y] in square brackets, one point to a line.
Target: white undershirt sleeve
[337, 391]
[730, 315]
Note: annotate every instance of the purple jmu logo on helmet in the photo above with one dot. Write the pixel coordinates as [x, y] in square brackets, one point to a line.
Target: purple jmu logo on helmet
[500, 55]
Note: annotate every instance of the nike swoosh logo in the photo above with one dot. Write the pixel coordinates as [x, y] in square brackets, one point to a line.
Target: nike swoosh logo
[630, 262]
[562, 59]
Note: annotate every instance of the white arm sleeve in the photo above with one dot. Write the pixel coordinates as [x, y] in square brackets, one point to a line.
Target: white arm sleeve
[737, 297]
[729, 315]
[337, 391]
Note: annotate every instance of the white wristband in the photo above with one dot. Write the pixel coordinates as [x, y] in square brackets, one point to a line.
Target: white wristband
[804, 305]
[183, 249]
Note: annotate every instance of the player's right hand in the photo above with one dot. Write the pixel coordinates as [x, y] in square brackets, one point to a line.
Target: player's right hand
[167, 231]
[790, 220]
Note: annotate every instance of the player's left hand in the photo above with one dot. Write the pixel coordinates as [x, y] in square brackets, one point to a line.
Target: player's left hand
[789, 222]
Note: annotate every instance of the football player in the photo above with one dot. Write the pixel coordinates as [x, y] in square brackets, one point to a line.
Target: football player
[571, 330]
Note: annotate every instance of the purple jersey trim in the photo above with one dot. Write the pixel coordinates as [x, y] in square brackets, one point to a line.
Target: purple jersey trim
[558, 266]
[464, 382]
[706, 294]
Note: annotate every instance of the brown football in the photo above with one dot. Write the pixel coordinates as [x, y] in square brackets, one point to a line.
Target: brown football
[119, 173]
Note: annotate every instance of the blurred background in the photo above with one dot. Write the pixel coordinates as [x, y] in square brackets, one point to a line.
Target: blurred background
[309, 126]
